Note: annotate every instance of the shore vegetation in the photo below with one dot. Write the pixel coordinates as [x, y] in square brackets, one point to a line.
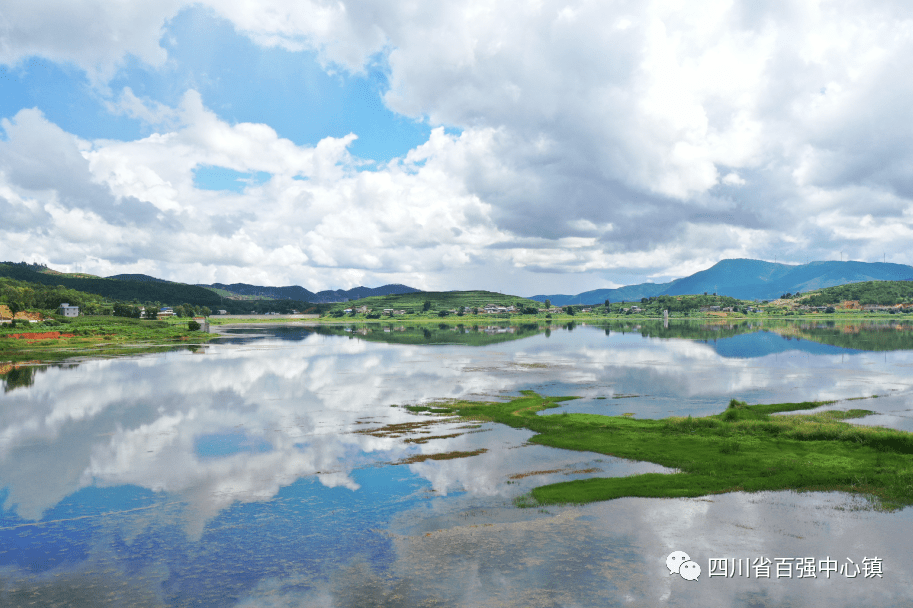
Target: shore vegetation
[744, 448]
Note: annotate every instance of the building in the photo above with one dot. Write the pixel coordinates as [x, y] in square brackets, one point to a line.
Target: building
[67, 310]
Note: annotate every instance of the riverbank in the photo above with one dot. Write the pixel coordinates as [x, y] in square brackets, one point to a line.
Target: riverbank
[742, 449]
[516, 319]
[59, 340]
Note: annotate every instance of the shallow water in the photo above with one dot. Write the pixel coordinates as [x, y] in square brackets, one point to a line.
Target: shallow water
[261, 470]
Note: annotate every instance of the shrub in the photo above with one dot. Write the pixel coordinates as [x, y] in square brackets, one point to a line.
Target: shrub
[193, 326]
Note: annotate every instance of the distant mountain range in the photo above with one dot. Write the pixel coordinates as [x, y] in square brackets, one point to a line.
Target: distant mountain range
[295, 292]
[291, 292]
[746, 280]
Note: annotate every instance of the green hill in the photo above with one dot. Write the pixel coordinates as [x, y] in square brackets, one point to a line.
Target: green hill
[440, 300]
[126, 291]
[22, 295]
[883, 293]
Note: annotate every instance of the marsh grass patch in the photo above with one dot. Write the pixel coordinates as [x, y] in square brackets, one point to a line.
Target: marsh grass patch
[442, 456]
[751, 448]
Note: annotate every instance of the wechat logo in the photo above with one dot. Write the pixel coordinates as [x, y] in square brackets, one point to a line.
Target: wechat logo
[679, 563]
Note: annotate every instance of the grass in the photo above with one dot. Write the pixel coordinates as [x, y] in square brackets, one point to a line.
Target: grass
[744, 448]
[92, 336]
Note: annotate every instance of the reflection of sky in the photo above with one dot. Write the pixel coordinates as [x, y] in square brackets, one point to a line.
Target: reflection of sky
[239, 473]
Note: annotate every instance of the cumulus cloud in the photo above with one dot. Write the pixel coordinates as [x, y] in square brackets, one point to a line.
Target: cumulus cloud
[316, 215]
[633, 135]
[91, 34]
[647, 116]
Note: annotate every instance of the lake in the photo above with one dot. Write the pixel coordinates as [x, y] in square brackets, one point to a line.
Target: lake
[275, 467]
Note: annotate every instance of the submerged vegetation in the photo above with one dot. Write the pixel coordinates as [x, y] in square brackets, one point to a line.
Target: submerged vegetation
[744, 448]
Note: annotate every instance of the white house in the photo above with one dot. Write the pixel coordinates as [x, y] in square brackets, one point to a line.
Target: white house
[67, 310]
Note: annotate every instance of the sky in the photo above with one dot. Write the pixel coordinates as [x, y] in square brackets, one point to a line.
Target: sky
[532, 147]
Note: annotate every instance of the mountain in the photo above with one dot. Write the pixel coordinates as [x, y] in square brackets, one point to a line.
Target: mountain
[357, 293]
[142, 278]
[295, 292]
[292, 292]
[747, 280]
[117, 290]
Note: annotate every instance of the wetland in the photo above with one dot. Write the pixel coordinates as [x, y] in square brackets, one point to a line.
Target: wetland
[388, 464]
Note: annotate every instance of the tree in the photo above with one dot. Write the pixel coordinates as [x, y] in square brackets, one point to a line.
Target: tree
[193, 325]
[205, 311]
[608, 304]
[126, 310]
[426, 306]
[548, 304]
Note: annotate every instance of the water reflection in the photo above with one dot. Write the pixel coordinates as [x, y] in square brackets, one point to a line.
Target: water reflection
[255, 468]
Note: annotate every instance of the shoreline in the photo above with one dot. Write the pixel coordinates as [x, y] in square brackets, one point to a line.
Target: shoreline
[117, 337]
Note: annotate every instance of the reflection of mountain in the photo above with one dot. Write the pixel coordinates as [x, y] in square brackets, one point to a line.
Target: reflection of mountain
[762, 343]
[741, 339]
[476, 335]
[751, 339]
[872, 336]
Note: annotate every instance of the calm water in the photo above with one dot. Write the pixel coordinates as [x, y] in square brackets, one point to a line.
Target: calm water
[261, 470]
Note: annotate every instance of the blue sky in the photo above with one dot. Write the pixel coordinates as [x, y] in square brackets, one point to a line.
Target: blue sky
[543, 148]
[237, 79]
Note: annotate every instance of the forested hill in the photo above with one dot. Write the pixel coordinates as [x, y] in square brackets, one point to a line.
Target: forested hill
[22, 295]
[142, 278]
[118, 290]
[882, 293]
[296, 292]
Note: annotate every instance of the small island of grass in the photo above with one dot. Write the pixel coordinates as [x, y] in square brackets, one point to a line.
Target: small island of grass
[744, 448]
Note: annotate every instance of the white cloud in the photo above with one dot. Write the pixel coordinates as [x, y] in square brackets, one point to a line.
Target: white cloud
[662, 121]
[138, 199]
[95, 35]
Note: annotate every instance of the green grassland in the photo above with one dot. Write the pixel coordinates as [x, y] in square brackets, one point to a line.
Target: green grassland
[96, 336]
[744, 448]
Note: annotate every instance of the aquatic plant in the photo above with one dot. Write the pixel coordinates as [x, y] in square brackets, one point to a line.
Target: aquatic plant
[745, 448]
